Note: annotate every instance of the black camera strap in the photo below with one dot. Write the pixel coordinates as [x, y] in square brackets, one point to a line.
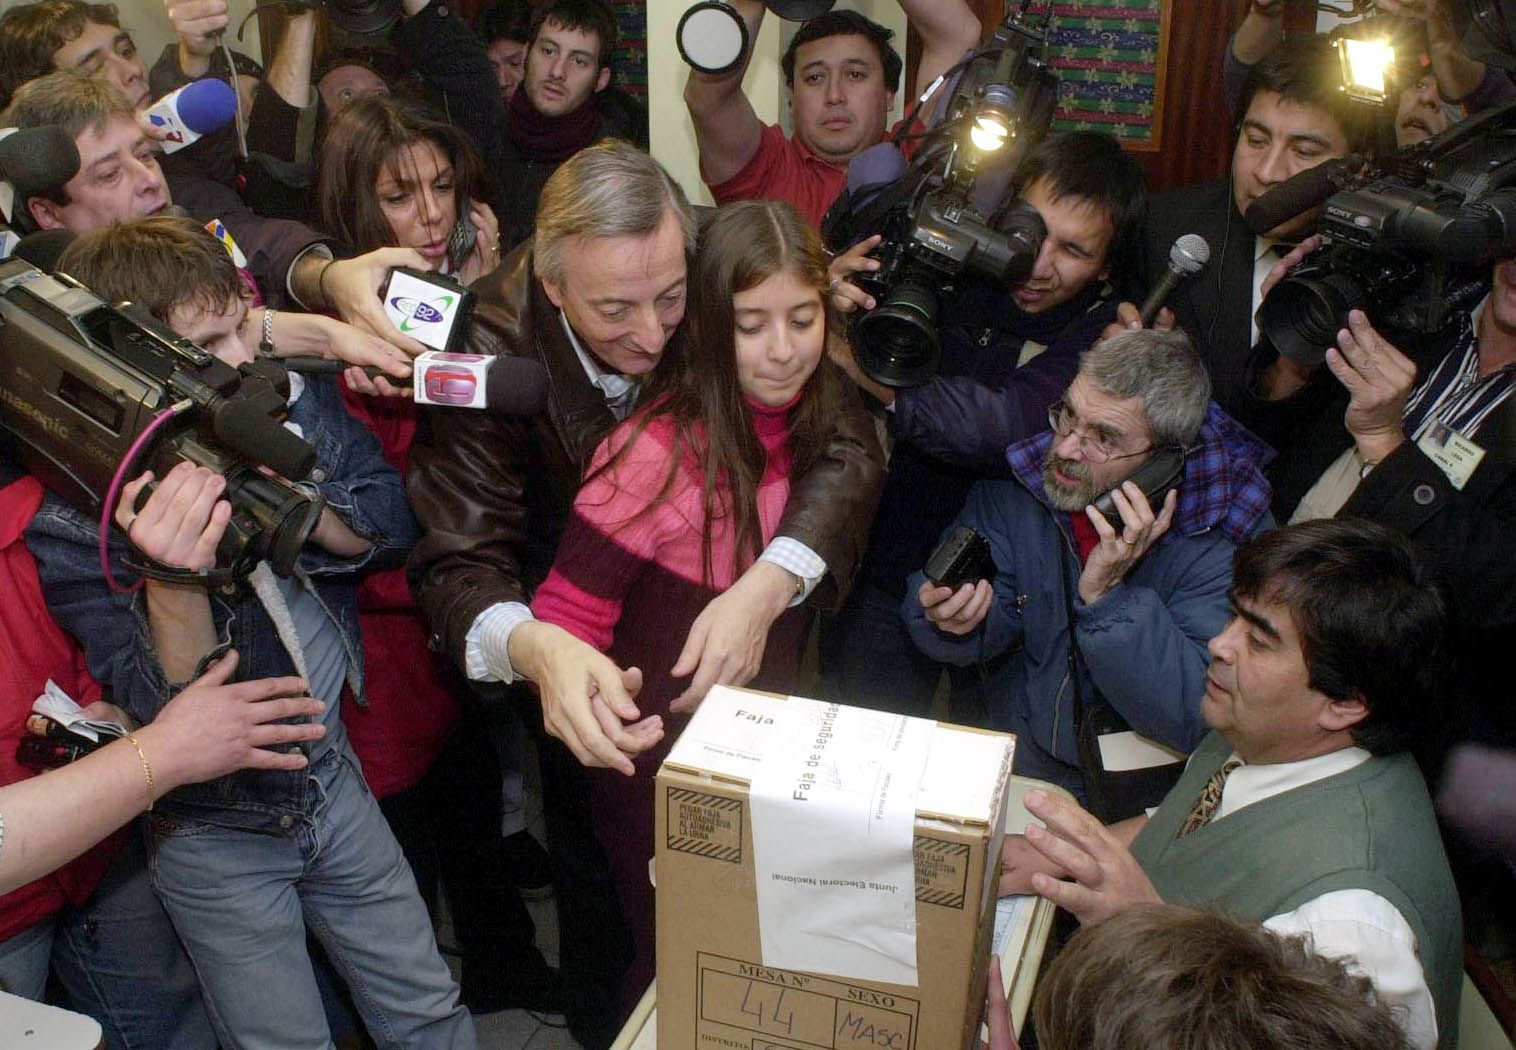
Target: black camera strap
[210, 579]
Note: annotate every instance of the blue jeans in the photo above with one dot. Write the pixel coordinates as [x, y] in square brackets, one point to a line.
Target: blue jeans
[120, 961]
[242, 902]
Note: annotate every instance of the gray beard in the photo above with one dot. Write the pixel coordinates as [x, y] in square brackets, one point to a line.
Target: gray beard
[1070, 501]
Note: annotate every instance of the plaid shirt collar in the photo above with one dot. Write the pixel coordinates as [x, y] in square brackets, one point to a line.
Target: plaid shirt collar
[1223, 486]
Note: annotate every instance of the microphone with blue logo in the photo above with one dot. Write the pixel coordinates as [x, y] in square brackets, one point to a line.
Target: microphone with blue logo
[430, 308]
[192, 112]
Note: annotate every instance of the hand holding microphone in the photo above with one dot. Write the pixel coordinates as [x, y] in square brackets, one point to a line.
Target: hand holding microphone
[1187, 257]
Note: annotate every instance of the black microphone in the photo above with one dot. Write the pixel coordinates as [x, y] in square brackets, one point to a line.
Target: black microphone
[37, 160]
[43, 248]
[1300, 193]
[515, 386]
[869, 175]
[1187, 257]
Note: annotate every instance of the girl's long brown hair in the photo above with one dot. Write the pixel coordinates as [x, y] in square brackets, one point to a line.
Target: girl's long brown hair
[362, 141]
[697, 387]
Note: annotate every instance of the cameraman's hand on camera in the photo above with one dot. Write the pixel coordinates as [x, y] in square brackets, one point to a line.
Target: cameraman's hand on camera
[215, 726]
[1284, 377]
[351, 287]
[1379, 379]
[183, 519]
[1282, 268]
[958, 611]
[587, 701]
[486, 254]
[847, 296]
[1129, 319]
[180, 526]
[1120, 549]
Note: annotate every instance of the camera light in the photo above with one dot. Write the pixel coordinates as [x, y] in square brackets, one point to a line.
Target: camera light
[994, 121]
[1364, 65]
[989, 132]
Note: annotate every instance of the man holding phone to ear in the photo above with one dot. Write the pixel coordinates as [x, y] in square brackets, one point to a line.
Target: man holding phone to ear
[1140, 591]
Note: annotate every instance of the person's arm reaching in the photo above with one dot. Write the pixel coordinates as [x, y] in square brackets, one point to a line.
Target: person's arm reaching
[210, 729]
[727, 130]
[948, 29]
[825, 528]
[289, 74]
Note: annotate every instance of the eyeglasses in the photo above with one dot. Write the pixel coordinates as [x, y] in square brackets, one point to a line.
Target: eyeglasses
[1094, 447]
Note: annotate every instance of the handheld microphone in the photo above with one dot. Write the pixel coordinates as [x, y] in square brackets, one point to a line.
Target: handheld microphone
[1187, 257]
[43, 248]
[33, 161]
[512, 386]
[1300, 193]
[193, 111]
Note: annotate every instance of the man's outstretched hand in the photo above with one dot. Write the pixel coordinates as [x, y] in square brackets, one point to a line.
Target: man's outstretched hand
[587, 701]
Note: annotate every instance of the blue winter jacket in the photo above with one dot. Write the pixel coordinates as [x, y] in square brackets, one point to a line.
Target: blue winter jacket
[1143, 643]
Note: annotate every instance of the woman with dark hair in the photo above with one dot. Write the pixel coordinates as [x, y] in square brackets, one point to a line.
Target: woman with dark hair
[391, 173]
[682, 496]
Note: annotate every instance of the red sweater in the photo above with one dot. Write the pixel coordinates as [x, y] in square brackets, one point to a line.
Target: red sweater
[631, 583]
[33, 649]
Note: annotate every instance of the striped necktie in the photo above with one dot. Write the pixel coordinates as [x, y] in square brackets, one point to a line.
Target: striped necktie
[1206, 805]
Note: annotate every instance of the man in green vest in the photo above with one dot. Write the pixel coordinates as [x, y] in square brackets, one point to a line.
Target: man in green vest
[1302, 809]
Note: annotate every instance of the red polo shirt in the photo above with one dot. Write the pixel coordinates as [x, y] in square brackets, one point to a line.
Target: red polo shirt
[784, 170]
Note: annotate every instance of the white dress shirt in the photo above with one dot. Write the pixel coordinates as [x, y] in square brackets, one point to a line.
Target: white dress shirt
[1358, 925]
[486, 650]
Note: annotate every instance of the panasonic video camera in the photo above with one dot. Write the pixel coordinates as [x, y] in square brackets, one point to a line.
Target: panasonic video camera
[85, 386]
[1411, 241]
[933, 231]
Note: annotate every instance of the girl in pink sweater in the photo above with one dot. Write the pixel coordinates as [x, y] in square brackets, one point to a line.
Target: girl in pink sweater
[684, 494]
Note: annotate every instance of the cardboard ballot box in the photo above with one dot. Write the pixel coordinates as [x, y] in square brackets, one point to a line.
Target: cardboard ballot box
[826, 877]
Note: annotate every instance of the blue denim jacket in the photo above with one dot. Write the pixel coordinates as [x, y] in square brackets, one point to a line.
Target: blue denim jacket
[364, 490]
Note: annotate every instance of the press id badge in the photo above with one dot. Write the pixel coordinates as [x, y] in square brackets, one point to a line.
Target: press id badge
[1455, 455]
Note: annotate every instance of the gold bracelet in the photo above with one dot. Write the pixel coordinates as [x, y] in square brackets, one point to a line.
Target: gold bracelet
[147, 770]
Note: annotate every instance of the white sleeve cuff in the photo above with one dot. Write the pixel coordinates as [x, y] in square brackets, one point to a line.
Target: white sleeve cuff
[319, 248]
[797, 559]
[486, 653]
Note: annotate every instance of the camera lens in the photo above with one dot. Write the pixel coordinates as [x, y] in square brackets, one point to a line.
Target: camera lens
[1302, 315]
[896, 342]
[281, 517]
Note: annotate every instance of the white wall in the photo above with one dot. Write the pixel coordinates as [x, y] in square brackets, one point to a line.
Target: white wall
[672, 134]
[147, 21]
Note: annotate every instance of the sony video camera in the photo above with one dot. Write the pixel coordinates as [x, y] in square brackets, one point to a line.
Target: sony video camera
[1411, 241]
[82, 382]
[933, 231]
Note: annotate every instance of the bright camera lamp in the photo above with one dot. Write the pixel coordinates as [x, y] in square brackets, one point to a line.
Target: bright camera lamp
[712, 37]
[1364, 65]
[994, 124]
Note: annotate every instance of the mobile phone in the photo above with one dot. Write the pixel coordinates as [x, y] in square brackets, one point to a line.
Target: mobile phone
[964, 557]
[460, 243]
[1157, 476]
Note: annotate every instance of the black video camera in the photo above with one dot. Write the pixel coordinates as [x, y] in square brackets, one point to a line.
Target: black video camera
[933, 231]
[1411, 242]
[83, 384]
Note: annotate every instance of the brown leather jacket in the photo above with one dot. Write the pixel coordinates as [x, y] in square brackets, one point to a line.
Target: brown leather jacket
[493, 493]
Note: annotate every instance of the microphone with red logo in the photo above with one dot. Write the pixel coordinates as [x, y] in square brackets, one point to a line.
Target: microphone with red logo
[502, 385]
